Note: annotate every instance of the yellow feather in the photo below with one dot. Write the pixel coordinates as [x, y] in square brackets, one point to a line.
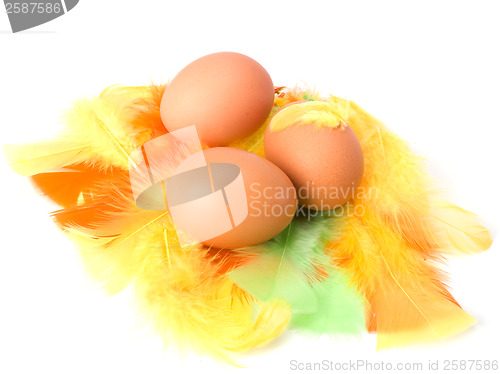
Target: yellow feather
[30, 159]
[99, 131]
[181, 291]
[317, 113]
[255, 142]
[457, 229]
[397, 188]
[353, 250]
[189, 303]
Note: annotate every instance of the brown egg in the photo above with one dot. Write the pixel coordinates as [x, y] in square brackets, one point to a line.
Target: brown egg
[226, 95]
[240, 199]
[325, 163]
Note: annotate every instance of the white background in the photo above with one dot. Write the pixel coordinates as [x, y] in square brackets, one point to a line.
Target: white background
[429, 69]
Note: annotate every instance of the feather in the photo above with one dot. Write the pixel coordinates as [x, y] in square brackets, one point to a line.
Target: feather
[102, 264]
[186, 294]
[458, 230]
[408, 299]
[108, 247]
[340, 307]
[29, 159]
[255, 141]
[145, 113]
[179, 290]
[198, 309]
[286, 264]
[64, 185]
[394, 184]
[102, 131]
[397, 189]
[317, 113]
[412, 303]
[390, 248]
[110, 210]
[292, 267]
[105, 199]
[183, 290]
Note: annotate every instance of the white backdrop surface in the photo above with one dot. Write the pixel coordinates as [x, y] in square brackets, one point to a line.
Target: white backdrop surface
[429, 70]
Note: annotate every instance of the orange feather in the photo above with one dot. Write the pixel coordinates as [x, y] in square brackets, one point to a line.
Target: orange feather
[408, 299]
[64, 186]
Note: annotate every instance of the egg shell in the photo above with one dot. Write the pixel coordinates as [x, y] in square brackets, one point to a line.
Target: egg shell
[325, 164]
[226, 95]
[268, 192]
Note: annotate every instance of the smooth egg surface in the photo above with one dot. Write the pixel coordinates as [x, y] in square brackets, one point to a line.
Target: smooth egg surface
[240, 199]
[325, 164]
[226, 95]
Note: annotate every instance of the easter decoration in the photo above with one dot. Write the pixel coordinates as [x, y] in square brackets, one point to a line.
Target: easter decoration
[235, 209]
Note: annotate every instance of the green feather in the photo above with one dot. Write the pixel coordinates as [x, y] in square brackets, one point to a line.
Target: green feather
[292, 266]
[340, 308]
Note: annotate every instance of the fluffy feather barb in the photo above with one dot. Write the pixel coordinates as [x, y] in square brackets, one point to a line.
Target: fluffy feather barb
[100, 132]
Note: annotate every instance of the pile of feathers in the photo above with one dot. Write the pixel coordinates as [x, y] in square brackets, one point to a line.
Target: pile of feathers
[336, 273]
